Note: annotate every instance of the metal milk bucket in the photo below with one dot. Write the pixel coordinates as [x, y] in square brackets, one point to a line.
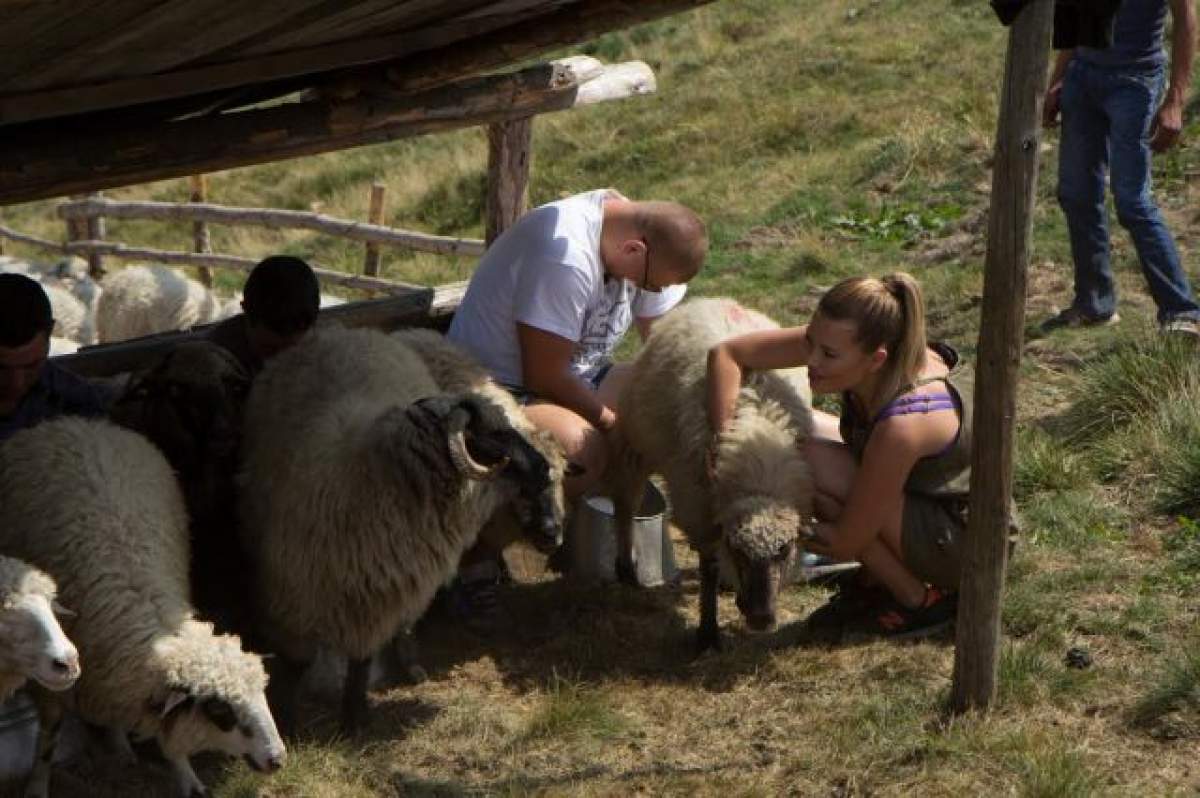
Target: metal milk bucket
[18, 738]
[592, 541]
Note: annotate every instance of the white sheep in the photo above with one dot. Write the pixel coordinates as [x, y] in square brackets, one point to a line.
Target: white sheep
[143, 300]
[32, 644]
[748, 518]
[362, 486]
[72, 320]
[112, 530]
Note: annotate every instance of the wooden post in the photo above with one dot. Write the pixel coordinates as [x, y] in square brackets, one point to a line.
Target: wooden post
[1010, 224]
[201, 241]
[508, 174]
[94, 231]
[375, 217]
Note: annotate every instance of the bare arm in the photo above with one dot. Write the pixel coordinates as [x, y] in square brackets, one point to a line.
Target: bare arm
[728, 360]
[1053, 101]
[1169, 121]
[545, 367]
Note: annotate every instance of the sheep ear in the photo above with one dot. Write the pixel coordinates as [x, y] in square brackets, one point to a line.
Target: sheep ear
[61, 611]
[174, 699]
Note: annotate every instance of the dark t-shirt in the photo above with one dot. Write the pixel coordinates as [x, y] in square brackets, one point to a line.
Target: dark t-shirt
[1137, 37]
[57, 392]
[231, 336]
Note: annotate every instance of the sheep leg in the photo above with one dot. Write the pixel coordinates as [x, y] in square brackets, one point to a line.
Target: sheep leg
[186, 780]
[627, 486]
[283, 691]
[50, 715]
[709, 634]
[354, 695]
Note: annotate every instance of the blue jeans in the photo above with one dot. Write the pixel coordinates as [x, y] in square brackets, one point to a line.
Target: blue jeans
[1106, 118]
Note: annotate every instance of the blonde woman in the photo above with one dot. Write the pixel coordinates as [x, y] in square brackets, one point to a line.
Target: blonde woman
[891, 473]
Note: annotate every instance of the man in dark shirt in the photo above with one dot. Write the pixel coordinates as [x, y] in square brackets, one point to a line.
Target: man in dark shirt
[32, 389]
[279, 304]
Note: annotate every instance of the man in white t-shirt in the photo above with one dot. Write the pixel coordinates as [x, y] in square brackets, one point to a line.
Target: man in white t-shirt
[554, 295]
[547, 305]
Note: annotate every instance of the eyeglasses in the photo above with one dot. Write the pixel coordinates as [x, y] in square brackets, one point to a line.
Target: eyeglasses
[646, 285]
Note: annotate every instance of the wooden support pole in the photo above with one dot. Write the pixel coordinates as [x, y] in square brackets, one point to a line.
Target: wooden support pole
[95, 232]
[509, 149]
[374, 217]
[1010, 225]
[201, 242]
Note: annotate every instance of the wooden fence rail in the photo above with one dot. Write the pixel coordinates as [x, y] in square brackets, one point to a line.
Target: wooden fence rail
[270, 218]
[113, 249]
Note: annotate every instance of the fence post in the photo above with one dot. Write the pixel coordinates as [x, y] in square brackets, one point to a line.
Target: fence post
[95, 232]
[201, 242]
[509, 145]
[374, 216]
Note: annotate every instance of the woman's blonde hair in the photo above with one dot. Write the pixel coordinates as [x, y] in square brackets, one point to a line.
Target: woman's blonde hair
[888, 312]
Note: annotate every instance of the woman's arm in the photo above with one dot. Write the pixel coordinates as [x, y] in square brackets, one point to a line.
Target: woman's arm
[728, 360]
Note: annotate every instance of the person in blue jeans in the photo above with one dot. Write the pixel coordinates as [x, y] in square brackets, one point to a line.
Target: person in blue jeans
[1114, 114]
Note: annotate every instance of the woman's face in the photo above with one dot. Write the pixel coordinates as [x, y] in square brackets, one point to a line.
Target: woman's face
[837, 361]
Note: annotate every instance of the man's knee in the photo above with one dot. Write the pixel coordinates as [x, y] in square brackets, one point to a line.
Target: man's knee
[1134, 209]
[583, 444]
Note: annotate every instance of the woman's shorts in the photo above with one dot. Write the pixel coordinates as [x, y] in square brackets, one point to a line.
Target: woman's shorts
[932, 538]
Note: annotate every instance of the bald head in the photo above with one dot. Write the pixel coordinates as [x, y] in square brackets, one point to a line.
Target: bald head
[676, 235]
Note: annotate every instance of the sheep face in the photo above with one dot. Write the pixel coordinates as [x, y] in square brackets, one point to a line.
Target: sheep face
[34, 643]
[190, 406]
[758, 550]
[483, 445]
[238, 727]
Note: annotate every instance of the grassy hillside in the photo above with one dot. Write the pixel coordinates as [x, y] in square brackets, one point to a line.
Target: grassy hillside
[819, 138]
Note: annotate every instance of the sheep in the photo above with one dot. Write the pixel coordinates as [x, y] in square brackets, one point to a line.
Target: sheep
[32, 644]
[72, 320]
[189, 404]
[361, 486]
[111, 528]
[143, 300]
[749, 516]
[73, 274]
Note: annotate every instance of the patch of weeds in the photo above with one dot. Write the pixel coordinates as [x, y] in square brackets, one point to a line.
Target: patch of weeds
[1136, 379]
[1031, 607]
[904, 223]
[573, 711]
[1171, 708]
[1181, 571]
[1073, 520]
[1023, 670]
[1050, 771]
[1178, 431]
[1045, 464]
[455, 205]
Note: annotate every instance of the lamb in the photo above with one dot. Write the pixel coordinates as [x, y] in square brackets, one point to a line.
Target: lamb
[32, 644]
[362, 484]
[111, 528]
[143, 300]
[748, 517]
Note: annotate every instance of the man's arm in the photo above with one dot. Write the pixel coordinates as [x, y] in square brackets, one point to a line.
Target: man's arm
[1169, 120]
[1053, 101]
[546, 371]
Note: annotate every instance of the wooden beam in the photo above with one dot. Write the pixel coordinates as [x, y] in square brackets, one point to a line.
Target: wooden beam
[425, 307]
[1010, 225]
[234, 72]
[272, 219]
[509, 149]
[37, 167]
[117, 250]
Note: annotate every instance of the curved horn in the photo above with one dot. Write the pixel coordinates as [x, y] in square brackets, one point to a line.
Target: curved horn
[468, 465]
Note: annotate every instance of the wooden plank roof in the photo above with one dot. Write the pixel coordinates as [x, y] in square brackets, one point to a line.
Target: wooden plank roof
[125, 70]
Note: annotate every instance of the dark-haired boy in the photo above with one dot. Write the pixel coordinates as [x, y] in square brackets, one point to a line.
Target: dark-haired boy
[279, 303]
[33, 389]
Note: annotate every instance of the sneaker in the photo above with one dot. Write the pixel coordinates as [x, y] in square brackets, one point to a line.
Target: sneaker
[849, 603]
[1182, 329]
[1073, 317]
[820, 569]
[897, 622]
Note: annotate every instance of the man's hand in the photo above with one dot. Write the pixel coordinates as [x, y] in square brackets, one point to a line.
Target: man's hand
[1052, 104]
[1168, 123]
